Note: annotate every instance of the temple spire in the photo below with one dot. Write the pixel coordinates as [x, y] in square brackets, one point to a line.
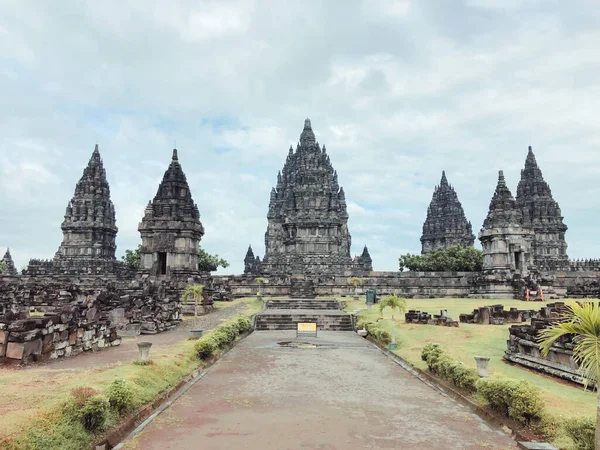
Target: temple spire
[308, 217]
[446, 224]
[307, 138]
[542, 213]
[89, 226]
[444, 181]
[503, 211]
[10, 268]
[171, 229]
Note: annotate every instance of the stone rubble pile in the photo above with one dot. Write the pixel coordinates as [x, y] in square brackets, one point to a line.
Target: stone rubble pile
[523, 348]
[442, 319]
[73, 329]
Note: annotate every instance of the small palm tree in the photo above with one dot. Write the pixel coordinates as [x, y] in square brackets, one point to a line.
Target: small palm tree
[260, 281]
[355, 281]
[583, 322]
[194, 291]
[395, 303]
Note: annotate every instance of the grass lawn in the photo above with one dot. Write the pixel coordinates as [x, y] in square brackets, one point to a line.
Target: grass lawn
[469, 340]
[29, 393]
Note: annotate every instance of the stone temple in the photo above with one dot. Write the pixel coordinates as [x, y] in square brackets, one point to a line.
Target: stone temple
[507, 244]
[89, 226]
[446, 224]
[10, 268]
[171, 229]
[542, 214]
[307, 229]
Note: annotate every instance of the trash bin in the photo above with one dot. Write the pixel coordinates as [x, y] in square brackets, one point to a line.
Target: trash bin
[371, 295]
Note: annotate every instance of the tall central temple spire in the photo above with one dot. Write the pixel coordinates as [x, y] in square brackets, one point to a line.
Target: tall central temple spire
[446, 224]
[541, 213]
[308, 219]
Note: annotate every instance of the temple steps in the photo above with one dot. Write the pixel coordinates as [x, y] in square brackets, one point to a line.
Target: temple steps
[302, 303]
[285, 314]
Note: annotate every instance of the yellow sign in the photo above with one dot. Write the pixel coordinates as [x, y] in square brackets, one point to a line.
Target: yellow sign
[310, 327]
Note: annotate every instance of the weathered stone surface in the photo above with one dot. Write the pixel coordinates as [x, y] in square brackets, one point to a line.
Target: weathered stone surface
[171, 229]
[89, 228]
[307, 231]
[542, 214]
[446, 224]
[506, 242]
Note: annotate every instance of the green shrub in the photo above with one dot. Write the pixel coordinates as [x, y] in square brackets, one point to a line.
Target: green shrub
[517, 399]
[464, 377]
[231, 329]
[431, 350]
[381, 336]
[120, 395]
[94, 412]
[244, 324]
[581, 430]
[220, 337]
[205, 347]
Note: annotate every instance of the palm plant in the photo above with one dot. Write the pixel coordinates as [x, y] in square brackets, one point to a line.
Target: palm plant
[356, 281]
[583, 322]
[193, 291]
[260, 281]
[395, 303]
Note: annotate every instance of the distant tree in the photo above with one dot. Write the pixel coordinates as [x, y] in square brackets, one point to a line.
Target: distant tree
[260, 281]
[3, 267]
[395, 303]
[133, 257]
[356, 281]
[193, 291]
[452, 259]
[210, 263]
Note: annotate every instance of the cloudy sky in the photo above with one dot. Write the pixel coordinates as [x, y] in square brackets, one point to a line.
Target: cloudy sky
[397, 90]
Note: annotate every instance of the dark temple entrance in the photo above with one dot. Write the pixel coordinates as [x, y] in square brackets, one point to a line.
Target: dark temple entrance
[162, 263]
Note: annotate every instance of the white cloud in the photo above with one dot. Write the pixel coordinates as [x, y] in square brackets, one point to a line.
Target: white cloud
[397, 91]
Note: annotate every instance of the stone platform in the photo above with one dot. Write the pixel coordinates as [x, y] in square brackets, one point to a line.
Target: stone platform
[285, 314]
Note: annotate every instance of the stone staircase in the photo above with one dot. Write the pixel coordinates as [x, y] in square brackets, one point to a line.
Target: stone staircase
[284, 314]
[303, 303]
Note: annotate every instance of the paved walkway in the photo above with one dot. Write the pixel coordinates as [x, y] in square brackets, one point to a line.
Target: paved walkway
[128, 350]
[343, 394]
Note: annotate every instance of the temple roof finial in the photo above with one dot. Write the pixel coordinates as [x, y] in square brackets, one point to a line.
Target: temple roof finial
[501, 180]
[307, 124]
[444, 181]
[175, 154]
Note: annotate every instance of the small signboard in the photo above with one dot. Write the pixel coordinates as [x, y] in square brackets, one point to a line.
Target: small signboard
[306, 329]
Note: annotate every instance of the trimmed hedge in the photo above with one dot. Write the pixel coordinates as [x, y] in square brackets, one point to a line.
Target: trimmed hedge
[442, 365]
[581, 430]
[380, 336]
[517, 399]
[205, 347]
[513, 398]
[222, 336]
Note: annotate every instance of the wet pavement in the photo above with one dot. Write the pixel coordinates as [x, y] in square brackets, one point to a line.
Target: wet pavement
[336, 391]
